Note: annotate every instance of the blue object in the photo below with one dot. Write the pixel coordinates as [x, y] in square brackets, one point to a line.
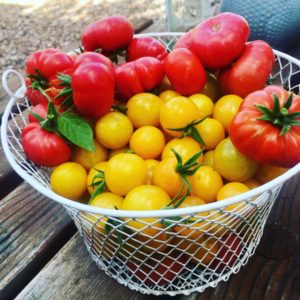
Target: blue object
[274, 21]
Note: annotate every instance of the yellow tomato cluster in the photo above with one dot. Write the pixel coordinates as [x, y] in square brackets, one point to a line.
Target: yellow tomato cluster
[135, 163]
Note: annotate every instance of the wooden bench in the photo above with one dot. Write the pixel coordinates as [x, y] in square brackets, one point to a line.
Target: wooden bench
[43, 257]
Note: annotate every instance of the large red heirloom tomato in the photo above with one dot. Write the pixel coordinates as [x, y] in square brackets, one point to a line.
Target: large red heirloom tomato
[266, 128]
[217, 41]
[250, 71]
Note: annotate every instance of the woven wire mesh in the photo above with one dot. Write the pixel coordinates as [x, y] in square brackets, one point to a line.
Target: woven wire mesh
[160, 255]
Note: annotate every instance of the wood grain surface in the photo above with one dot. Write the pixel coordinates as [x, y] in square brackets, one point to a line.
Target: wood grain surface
[72, 274]
[32, 229]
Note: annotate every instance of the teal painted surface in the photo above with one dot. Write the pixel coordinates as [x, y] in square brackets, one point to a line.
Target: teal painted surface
[275, 21]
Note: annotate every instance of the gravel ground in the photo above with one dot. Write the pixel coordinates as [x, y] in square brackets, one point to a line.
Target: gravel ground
[26, 26]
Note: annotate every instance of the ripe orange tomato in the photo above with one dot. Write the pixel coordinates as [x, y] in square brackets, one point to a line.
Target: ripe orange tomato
[87, 158]
[226, 108]
[196, 224]
[186, 147]
[147, 197]
[178, 113]
[113, 130]
[232, 189]
[125, 171]
[166, 177]
[206, 183]
[143, 109]
[147, 142]
[211, 131]
[167, 95]
[69, 180]
[204, 103]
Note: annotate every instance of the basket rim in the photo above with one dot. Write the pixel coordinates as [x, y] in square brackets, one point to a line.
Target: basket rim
[265, 188]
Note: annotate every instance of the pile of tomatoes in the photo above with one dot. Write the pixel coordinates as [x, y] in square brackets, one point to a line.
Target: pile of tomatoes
[161, 129]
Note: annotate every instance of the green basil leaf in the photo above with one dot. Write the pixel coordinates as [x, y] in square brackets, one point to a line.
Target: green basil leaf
[76, 130]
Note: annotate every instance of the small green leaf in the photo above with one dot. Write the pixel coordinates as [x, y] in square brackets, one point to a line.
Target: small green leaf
[76, 130]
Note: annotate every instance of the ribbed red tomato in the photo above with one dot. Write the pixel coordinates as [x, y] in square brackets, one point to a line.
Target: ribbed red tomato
[266, 128]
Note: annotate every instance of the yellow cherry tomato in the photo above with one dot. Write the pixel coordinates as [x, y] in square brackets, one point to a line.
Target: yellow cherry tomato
[208, 158]
[114, 152]
[232, 189]
[143, 109]
[147, 142]
[87, 158]
[178, 113]
[226, 108]
[196, 224]
[105, 200]
[166, 177]
[143, 198]
[151, 165]
[266, 172]
[206, 183]
[91, 181]
[186, 147]
[113, 130]
[69, 180]
[231, 164]
[211, 131]
[252, 183]
[167, 95]
[204, 103]
[125, 171]
[97, 225]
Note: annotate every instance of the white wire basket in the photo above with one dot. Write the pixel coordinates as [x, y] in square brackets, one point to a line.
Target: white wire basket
[159, 252]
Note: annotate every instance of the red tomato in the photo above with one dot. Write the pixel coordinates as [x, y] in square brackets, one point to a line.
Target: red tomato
[108, 34]
[250, 71]
[40, 109]
[93, 86]
[138, 76]
[184, 41]
[185, 71]
[219, 40]
[93, 57]
[152, 272]
[230, 247]
[44, 148]
[47, 63]
[145, 46]
[275, 139]
[34, 96]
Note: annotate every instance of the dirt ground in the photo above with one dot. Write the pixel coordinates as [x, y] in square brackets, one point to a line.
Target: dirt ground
[29, 25]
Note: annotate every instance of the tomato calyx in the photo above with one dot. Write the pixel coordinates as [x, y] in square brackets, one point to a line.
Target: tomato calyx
[67, 91]
[113, 55]
[98, 184]
[120, 108]
[184, 170]
[190, 131]
[38, 80]
[280, 116]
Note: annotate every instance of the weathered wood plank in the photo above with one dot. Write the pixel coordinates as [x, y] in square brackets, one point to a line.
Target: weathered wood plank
[9, 179]
[33, 228]
[72, 274]
[274, 271]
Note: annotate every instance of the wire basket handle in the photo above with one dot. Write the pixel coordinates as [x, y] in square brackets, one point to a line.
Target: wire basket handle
[21, 91]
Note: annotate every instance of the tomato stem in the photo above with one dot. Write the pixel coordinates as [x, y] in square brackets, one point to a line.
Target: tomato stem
[280, 116]
[191, 131]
